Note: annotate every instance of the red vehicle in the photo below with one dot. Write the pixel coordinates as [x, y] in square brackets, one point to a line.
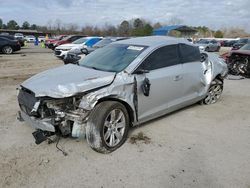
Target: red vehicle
[68, 39]
[50, 42]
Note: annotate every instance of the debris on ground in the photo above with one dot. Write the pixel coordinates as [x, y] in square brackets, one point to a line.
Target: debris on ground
[140, 137]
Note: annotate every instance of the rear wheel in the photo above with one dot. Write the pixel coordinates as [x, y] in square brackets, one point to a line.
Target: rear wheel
[214, 92]
[107, 127]
[7, 50]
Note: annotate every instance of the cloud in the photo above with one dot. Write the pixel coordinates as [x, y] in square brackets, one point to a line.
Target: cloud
[213, 13]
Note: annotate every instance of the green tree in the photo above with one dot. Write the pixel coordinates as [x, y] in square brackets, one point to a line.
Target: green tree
[1, 23]
[124, 28]
[148, 30]
[218, 34]
[33, 27]
[26, 25]
[12, 24]
[138, 23]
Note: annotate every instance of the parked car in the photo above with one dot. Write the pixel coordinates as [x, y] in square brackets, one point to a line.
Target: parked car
[208, 45]
[30, 38]
[8, 46]
[75, 56]
[123, 84]
[230, 43]
[76, 46]
[241, 43]
[50, 42]
[239, 61]
[19, 35]
[41, 38]
[10, 37]
[67, 40]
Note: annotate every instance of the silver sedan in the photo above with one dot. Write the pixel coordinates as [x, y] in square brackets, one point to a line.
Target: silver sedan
[118, 86]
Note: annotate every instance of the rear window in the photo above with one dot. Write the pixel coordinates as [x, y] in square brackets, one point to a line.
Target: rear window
[189, 53]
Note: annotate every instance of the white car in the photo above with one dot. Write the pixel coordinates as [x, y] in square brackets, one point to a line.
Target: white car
[76, 46]
[30, 38]
[41, 39]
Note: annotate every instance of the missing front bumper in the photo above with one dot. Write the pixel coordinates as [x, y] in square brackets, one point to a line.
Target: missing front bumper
[44, 124]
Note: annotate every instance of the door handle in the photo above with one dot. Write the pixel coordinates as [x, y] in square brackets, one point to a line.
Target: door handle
[177, 78]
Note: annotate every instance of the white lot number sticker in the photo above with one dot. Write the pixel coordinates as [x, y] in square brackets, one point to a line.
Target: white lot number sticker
[135, 48]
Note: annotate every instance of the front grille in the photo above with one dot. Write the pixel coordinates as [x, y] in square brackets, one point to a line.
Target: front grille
[26, 100]
[57, 52]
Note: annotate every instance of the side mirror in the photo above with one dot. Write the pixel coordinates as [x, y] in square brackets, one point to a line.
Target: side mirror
[71, 58]
[141, 71]
[85, 51]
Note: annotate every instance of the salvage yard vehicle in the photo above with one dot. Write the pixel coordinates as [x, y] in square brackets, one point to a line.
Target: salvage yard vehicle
[50, 42]
[8, 46]
[208, 45]
[10, 37]
[239, 61]
[76, 46]
[123, 84]
[241, 43]
[67, 40]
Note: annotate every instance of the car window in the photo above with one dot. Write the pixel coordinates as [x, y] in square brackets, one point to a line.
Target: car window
[80, 41]
[245, 47]
[92, 41]
[112, 58]
[189, 53]
[163, 57]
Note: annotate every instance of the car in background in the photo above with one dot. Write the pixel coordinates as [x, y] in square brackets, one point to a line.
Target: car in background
[8, 46]
[67, 40]
[50, 42]
[121, 85]
[241, 43]
[208, 45]
[10, 37]
[41, 38]
[239, 61]
[229, 43]
[19, 35]
[74, 57]
[30, 38]
[76, 46]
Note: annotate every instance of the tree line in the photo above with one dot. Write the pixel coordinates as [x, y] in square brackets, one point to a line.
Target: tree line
[133, 27]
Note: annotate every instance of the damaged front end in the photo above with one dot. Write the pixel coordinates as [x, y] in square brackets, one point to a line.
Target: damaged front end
[51, 115]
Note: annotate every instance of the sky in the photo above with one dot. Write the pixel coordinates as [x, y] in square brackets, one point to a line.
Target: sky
[216, 14]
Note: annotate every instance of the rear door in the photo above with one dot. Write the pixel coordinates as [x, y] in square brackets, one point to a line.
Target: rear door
[166, 81]
[193, 72]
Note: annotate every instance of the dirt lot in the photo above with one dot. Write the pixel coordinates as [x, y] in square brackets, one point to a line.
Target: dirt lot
[200, 146]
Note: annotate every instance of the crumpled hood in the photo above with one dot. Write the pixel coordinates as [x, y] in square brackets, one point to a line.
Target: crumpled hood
[67, 80]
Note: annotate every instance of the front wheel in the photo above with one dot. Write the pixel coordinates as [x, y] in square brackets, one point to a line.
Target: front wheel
[214, 92]
[7, 50]
[107, 127]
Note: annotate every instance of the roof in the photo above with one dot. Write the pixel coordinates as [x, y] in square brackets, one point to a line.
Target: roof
[152, 41]
[166, 29]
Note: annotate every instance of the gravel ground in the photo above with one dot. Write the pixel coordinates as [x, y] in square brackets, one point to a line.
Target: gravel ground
[199, 146]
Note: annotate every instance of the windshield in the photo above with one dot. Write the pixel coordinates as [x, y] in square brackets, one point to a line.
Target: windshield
[245, 47]
[243, 41]
[112, 58]
[80, 41]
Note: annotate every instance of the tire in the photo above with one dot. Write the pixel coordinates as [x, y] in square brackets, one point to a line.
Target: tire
[102, 134]
[214, 92]
[7, 50]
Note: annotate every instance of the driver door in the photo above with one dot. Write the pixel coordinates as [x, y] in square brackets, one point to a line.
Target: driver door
[165, 75]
